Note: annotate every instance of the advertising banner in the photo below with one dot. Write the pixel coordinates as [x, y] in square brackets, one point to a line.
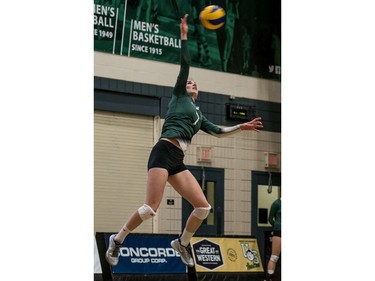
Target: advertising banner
[226, 255]
[249, 43]
[148, 254]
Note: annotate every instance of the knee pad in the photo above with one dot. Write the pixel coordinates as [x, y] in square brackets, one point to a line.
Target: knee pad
[201, 212]
[274, 258]
[146, 212]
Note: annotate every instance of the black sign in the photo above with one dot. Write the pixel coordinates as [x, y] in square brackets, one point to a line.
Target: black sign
[207, 254]
[240, 112]
[170, 201]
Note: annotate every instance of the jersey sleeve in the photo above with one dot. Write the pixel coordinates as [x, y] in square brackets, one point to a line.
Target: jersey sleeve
[272, 215]
[182, 77]
[217, 131]
[209, 127]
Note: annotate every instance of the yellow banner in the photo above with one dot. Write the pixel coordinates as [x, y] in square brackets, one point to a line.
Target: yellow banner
[226, 254]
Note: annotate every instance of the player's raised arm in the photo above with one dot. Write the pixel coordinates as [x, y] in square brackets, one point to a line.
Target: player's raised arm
[179, 88]
[184, 28]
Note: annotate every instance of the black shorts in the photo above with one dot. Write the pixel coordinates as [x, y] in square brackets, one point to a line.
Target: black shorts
[166, 155]
[277, 233]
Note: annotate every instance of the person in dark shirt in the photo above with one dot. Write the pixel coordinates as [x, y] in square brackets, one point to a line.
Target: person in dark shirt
[275, 220]
[183, 120]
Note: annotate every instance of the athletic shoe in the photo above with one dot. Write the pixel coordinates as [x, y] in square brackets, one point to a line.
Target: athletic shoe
[113, 251]
[183, 251]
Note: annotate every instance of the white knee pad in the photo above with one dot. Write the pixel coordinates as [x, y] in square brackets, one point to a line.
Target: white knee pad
[274, 258]
[146, 212]
[202, 212]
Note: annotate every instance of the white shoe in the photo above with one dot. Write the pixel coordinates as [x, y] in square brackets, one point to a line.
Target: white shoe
[113, 251]
[183, 251]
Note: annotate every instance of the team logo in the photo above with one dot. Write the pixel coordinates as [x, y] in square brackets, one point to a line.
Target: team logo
[251, 254]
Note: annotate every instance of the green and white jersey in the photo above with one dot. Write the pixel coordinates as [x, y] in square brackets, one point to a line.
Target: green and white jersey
[275, 215]
[184, 119]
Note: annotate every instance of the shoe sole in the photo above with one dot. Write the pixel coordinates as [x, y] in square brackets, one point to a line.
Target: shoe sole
[109, 262]
[189, 265]
[108, 258]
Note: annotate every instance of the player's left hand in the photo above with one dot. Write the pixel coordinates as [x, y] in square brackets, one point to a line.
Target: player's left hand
[183, 25]
[254, 125]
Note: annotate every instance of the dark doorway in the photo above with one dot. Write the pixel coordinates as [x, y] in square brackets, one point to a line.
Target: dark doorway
[211, 181]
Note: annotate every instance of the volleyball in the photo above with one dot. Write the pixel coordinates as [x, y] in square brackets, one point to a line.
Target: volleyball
[212, 17]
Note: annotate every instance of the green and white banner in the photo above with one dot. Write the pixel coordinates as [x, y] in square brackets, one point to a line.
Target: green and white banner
[248, 44]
